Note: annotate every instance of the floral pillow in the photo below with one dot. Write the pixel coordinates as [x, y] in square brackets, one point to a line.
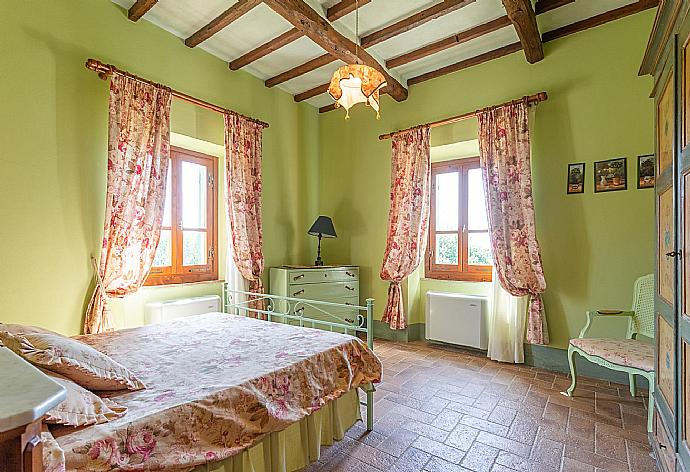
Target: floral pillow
[23, 329]
[81, 407]
[75, 360]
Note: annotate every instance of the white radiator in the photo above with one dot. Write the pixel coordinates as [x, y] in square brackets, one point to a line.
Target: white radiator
[169, 310]
[457, 319]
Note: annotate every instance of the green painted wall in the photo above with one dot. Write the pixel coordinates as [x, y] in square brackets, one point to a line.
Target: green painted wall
[53, 143]
[593, 245]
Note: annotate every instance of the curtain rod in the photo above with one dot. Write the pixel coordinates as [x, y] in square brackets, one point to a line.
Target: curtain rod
[531, 99]
[106, 70]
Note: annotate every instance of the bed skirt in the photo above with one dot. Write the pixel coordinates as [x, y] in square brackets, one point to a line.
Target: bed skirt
[298, 445]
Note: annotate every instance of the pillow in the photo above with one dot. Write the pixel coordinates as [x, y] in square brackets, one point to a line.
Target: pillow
[81, 407]
[73, 359]
[23, 329]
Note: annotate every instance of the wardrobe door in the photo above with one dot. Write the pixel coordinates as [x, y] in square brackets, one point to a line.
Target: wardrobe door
[665, 298]
[683, 241]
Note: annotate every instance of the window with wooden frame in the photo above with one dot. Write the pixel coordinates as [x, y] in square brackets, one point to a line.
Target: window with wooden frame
[189, 235]
[459, 247]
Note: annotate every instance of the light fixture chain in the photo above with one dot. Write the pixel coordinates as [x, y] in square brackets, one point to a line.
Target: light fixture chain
[357, 30]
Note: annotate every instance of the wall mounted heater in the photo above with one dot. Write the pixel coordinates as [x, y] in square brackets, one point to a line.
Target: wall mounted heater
[457, 319]
[169, 310]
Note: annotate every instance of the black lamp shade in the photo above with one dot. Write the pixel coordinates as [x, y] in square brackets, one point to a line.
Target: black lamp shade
[323, 226]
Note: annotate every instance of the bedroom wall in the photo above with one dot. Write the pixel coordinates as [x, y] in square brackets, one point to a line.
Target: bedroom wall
[53, 143]
[593, 245]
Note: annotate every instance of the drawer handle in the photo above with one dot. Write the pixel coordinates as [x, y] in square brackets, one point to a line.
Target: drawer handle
[347, 287]
[300, 311]
[298, 293]
[300, 276]
[350, 274]
[662, 446]
[677, 254]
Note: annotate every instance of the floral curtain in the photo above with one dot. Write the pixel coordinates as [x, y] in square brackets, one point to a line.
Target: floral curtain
[504, 150]
[408, 219]
[138, 157]
[243, 198]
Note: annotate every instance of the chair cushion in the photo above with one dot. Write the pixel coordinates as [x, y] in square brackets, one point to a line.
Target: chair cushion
[625, 352]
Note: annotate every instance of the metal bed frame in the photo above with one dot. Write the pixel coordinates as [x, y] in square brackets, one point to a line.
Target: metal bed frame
[291, 311]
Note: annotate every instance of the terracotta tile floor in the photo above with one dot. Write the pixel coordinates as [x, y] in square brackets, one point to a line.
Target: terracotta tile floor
[442, 409]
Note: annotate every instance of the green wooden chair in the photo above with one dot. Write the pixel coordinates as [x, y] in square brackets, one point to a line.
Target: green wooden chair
[625, 355]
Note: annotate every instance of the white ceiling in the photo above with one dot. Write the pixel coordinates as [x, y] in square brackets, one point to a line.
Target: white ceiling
[184, 17]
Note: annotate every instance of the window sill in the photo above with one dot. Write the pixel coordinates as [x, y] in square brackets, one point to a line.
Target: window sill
[431, 279]
[185, 284]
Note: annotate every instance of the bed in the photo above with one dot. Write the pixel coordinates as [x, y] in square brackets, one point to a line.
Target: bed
[218, 393]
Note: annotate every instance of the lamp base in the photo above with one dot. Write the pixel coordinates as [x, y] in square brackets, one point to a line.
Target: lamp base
[318, 262]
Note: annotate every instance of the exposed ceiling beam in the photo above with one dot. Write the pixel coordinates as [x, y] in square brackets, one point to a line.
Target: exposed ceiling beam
[327, 108]
[318, 90]
[299, 70]
[473, 61]
[418, 19]
[140, 8]
[542, 6]
[343, 7]
[467, 35]
[221, 21]
[524, 19]
[319, 30]
[266, 48]
[438, 46]
[600, 19]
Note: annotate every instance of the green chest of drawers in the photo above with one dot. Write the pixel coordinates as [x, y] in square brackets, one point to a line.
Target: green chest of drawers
[329, 284]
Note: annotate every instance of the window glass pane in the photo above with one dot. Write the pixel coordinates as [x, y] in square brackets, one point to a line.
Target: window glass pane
[447, 249]
[164, 251]
[447, 201]
[479, 249]
[167, 208]
[476, 204]
[194, 184]
[194, 248]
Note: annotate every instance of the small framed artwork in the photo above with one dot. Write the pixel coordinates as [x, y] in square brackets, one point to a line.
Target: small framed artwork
[645, 171]
[610, 175]
[576, 178]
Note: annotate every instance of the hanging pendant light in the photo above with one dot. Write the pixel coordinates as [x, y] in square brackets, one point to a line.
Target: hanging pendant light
[356, 83]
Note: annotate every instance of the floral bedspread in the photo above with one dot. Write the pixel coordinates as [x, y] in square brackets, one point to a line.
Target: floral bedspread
[217, 383]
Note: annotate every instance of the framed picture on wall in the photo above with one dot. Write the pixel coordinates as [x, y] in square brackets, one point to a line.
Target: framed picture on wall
[610, 175]
[646, 166]
[576, 178]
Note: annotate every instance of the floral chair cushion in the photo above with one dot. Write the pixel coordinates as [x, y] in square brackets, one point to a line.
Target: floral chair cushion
[624, 352]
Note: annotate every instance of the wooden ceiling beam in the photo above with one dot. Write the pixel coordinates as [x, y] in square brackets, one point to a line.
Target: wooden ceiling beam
[343, 7]
[313, 92]
[473, 61]
[319, 30]
[300, 69]
[542, 6]
[438, 46]
[418, 19]
[600, 19]
[266, 48]
[524, 19]
[327, 108]
[221, 21]
[140, 8]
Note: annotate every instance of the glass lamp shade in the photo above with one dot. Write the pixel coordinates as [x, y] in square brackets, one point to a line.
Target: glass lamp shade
[356, 83]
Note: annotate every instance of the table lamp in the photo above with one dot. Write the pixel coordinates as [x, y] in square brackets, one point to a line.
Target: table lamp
[322, 227]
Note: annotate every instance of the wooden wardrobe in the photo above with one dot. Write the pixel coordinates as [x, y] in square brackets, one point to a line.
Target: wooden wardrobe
[667, 58]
